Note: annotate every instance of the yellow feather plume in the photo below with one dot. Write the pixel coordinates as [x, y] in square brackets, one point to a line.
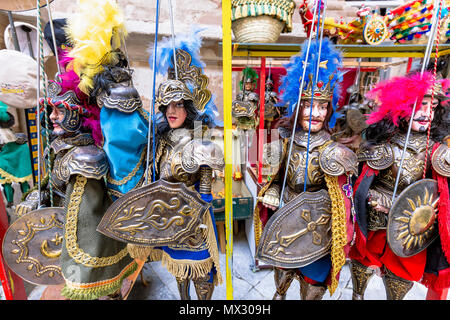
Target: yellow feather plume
[95, 31]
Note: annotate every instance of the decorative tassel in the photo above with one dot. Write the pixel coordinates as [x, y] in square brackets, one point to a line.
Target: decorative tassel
[139, 252]
[338, 230]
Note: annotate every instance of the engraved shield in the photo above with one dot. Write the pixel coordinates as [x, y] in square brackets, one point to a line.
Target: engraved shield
[412, 224]
[161, 213]
[299, 233]
[32, 246]
[241, 108]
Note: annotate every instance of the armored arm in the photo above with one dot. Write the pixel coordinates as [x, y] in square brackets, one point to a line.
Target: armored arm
[377, 157]
[441, 158]
[272, 157]
[31, 202]
[203, 156]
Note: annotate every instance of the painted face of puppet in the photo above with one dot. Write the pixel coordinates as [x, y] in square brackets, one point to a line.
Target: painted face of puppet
[248, 86]
[422, 118]
[319, 114]
[176, 114]
[57, 117]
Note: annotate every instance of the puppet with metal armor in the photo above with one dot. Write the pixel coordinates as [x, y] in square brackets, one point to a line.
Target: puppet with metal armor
[406, 234]
[308, 237]
[170, 219]
[245, 108]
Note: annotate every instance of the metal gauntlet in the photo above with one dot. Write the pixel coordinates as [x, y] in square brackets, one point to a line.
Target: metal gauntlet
[31, 203]
[272, 196]
[205, 180]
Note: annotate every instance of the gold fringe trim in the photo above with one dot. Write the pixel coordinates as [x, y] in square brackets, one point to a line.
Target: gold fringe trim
[338, 230]
[156, 255]
[213, 249]
[185, 268]
[138, 252]
[9, 178]
[192, 269]
[92, 291]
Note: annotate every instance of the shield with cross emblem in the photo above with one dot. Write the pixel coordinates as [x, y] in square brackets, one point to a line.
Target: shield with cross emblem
[299, 233]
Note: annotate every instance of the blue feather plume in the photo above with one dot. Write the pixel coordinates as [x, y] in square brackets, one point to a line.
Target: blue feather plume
[290, 83]
[191, 43]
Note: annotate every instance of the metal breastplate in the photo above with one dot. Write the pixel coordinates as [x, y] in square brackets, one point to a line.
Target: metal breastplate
[382, 189]
[169, 157]
[413, 163]
[296, 170]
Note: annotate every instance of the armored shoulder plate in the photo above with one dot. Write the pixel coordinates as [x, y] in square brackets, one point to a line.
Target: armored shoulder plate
[200, 152]
[378, 157]
[252, 96]
[336, 159]
[441, 160]
[88, 161]
[125, 99]
[284, 133]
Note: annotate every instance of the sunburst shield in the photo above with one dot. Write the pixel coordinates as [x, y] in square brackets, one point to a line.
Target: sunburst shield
[32, 246]
[412, 222]
[159, 214]
[299, 233]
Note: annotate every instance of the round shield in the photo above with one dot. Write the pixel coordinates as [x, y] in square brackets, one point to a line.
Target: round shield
[18, 79]
[412, 224]
[356, 120]
[32, 246]
[21, 5]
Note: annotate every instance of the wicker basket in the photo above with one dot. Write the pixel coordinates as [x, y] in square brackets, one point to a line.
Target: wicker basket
[261, 29]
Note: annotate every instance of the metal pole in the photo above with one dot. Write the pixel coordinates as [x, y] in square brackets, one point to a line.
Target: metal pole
[425, 62]
[38, 109]
[262, 90]
[53, 36]
[13, 31]
[151, 118]
[227, 99]
[312, 95]
[298, 105]
[173, 40]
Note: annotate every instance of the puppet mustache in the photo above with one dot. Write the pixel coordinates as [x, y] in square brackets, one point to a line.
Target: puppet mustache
[423, 118]
[313, 119]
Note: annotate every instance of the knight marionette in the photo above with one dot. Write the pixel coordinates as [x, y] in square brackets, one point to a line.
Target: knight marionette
[90, 264]
[67, 248]
[307, 237]
[245, 108]
[271, 111]
[171, 219]
[405, 235]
